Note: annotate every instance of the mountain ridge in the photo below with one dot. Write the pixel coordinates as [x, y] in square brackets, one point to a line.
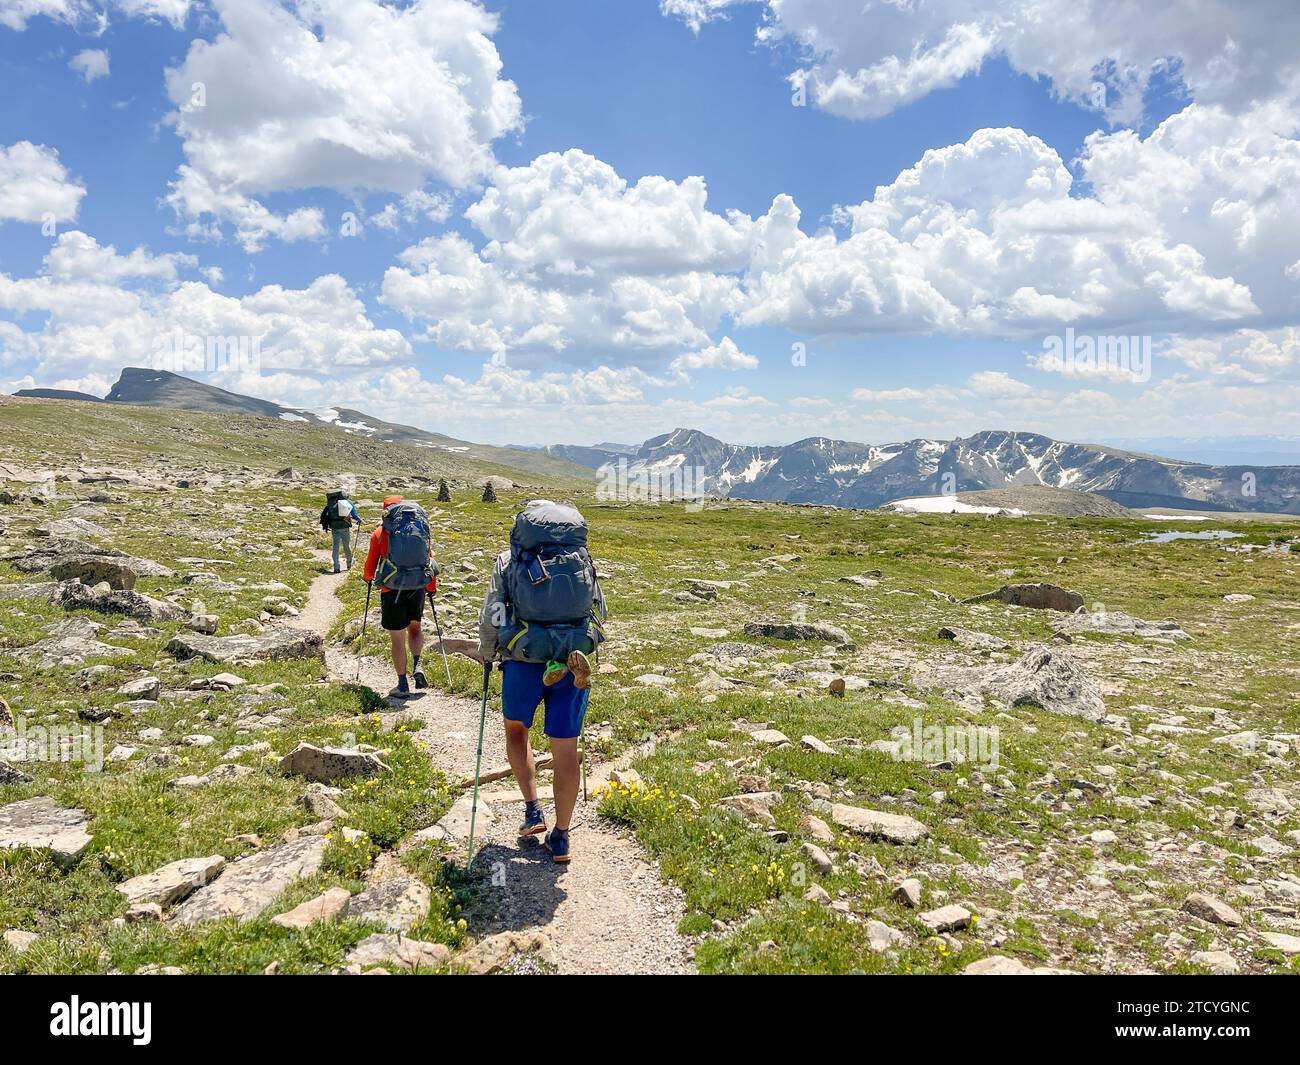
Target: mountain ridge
[822, 470]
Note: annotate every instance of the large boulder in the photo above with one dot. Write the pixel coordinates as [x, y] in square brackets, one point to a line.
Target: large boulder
[1045, 676]
[75, 595]
[247, 650]
[797, 630]
[1113, 622]
[66, 559]
[247, 887]
[70, 642]
[42, 824]
[878, 824]
[326, 764]
[1035, 596]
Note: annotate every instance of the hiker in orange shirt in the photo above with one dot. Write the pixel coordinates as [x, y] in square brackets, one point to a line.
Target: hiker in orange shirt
[400, 557]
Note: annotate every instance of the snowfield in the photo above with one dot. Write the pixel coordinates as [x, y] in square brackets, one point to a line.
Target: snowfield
[945, 505]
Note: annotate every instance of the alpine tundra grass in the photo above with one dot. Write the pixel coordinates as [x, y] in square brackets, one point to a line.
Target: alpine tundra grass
[1076, 850]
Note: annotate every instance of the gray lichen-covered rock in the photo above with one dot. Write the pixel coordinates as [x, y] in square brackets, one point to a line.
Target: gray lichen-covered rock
[172, 882]
[1045, 676]
[77, 596]
[67, 559]
[387, 948]
[247, 650]
[797, 630]
[325, 764]
[397, 904]
[1035, 596]
[250, 885]
[493, 954]
[896, 828]
[42, 824]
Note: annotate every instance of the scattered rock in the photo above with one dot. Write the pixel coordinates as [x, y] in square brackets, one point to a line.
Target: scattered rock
[249, 885]
[948, 918]
[387, 948]
[397, 904]
[972, 640]
[1219, 962]
[495, 953]
[817, 828]
[895, 828]
[777, 630]
[42, 824]
[172, 882]
[1287, 944]
[814, 744]
[147, 687]
[1208, 908]
[1034, 596]
[909, 893]
[880, 937]
[1046, 677]
[327, 906]
[326, 764]
[18, 941]
[997, 965]
[247, 650]
[820, 859]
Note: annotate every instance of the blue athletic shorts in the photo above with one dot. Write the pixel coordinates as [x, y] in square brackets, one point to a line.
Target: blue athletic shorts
[522, 690]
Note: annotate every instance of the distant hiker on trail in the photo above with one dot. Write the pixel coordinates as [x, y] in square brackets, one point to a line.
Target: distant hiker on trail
[401, 555]
[338, 518]
[542, 615]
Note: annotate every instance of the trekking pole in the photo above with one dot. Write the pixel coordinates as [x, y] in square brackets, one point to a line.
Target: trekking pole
[582, 753]
[478, 764]
[441, 647]
[362, 638]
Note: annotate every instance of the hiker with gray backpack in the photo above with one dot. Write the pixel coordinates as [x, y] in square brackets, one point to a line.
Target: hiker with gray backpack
[337, 518]
[400, 559]
[543, 617]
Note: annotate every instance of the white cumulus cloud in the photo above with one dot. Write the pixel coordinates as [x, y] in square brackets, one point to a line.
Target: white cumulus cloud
[344, 94]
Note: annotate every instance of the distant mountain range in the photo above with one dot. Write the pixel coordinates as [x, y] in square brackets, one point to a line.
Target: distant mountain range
[841, 473]
[817, 470]
[160, 388]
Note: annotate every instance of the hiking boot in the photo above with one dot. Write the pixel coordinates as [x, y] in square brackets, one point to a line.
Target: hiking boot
[534, 820]
[554, 673]
[558, 844]
[402, 691]
[421, 681]
[580, 666]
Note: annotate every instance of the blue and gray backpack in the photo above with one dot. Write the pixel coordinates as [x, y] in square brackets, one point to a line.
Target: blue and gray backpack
[407, 563]
[550, 585]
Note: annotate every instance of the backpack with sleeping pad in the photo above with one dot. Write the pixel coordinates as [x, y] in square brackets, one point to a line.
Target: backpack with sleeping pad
[407, 563]
[550, 585]
[338, 512]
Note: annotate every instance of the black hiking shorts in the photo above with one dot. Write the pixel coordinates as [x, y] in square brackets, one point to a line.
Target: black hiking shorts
[398, 609]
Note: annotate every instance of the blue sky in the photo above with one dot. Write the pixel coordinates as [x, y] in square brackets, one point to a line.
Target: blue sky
[473, 252]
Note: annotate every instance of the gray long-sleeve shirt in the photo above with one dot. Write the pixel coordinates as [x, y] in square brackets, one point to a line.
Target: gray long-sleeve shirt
[496, 608]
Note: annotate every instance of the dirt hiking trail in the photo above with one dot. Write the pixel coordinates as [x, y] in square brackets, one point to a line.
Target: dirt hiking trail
[607, 912]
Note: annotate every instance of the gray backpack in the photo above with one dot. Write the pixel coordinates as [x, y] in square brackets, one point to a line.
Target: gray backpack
[551, 579]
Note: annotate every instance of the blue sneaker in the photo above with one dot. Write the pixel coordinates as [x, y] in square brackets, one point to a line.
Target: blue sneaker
[534, 821]
[558, 844]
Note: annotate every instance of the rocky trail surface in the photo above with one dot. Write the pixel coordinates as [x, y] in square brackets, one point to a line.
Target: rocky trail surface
[607, 912]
